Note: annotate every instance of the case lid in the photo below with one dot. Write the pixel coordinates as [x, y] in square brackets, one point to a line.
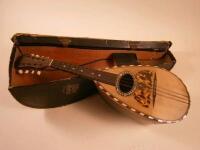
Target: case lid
[91, 43]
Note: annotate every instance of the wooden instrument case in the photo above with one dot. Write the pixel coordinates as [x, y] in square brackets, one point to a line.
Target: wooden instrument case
[55, 88]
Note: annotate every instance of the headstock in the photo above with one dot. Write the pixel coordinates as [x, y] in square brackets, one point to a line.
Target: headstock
[29, 63]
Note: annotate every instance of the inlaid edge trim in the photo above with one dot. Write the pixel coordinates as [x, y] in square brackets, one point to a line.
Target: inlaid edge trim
[136, 111]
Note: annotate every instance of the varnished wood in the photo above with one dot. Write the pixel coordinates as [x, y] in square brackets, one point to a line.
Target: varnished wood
[73, 56]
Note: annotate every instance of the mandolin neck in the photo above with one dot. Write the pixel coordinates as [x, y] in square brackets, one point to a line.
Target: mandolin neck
[92, 74]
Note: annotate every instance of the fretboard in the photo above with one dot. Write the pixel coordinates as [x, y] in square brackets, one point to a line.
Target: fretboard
[102, 76]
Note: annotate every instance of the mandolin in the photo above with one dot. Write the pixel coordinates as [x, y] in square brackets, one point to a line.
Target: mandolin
[149, 91]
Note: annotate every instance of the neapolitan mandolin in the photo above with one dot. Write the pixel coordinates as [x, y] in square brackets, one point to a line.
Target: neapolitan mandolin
[149, 91]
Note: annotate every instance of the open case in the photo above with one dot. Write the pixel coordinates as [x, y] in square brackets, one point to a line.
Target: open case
[55, 88]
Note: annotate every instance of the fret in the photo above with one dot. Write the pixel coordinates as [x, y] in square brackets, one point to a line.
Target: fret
[89, 73]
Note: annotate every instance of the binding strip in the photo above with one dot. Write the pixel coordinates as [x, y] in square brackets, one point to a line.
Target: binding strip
[132, 109]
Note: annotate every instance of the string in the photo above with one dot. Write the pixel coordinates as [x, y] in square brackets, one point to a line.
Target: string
[160, 91]
[172, 99]
[161, 88]
[172, 91]
[177, 98]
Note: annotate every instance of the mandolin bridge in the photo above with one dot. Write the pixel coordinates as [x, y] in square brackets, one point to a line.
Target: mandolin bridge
[145, 89]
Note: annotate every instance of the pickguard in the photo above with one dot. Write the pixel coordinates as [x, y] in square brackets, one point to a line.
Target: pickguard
[145, 89]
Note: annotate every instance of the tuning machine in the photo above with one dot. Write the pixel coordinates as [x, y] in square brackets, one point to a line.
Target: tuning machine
[26, 71]
[38, 72]
[33, 71]
[20, 71]
[35, 55]
[38, 56]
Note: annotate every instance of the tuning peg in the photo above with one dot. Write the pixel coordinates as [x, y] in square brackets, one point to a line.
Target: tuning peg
[37, 56]
[20, 71]
[39, 73]
[26, 71]
[33, 55]
[33, 71]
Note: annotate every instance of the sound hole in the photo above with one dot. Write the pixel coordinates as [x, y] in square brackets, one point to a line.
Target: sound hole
[125, 84]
